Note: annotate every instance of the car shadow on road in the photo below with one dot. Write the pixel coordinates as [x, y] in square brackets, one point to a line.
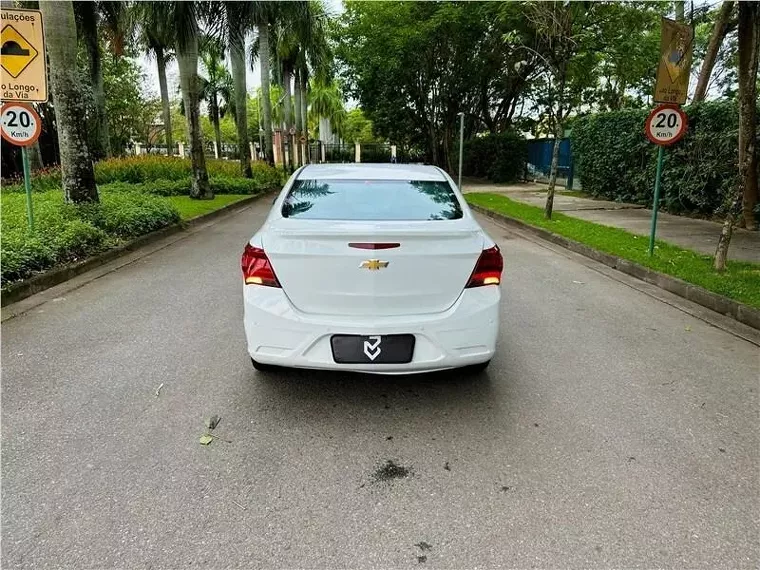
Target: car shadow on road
[338, 400]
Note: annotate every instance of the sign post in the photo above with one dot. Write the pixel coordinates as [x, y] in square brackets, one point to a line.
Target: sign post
[665, 125]
[23, 80]
[20, 125]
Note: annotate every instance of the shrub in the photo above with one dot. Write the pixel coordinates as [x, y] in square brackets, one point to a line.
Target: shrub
[160, 175]
[65, 233]
[129, 214]
[498, 157]
[139, 169]
[616, 161]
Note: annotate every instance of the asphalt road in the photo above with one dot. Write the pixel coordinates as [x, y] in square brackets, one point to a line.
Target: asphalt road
[612, 429]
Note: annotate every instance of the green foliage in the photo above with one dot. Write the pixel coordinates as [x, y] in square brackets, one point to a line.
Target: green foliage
[357, 127]
[498, 157]
[152, 168]
[129, 214]
[738, 282]
[616, 161]
[131, 112]
[66, 233]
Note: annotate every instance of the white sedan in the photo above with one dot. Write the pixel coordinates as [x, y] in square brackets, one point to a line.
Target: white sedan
[371, 268]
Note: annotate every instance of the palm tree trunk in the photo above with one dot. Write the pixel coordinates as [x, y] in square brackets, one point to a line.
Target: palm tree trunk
[718, 33]
[297, 97]
[100, 146]
[288, 115]
[77, 175]
[187, 60]
[266, 104]
[237, 56]
[167, 113]
[214, 105]
[304, 105]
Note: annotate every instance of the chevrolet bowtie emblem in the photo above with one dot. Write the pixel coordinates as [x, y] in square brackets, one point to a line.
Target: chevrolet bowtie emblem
[373, 264]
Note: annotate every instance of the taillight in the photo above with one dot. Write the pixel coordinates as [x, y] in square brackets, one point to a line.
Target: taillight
[488, 268]
[257, 270]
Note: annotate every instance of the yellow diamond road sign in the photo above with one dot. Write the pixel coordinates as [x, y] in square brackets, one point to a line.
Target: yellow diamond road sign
[23, 66]
[16, 51]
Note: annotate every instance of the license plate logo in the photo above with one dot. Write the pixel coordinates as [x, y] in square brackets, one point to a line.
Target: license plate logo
[372, 347]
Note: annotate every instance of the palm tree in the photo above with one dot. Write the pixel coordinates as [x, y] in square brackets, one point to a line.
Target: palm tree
[217, 87]
[77, 175]
[314, 54]
[265, 14]
[88, 19]
[183, 18]
[156, 37]
[327, 108]
[238, 17]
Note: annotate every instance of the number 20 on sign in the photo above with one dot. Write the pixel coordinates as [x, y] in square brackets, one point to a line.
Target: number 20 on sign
[665, 125]
[20, 125]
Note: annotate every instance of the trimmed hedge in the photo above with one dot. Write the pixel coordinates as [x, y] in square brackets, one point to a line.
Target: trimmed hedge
[616, 161]
[65, 233]
[161, 175]
[499, 157]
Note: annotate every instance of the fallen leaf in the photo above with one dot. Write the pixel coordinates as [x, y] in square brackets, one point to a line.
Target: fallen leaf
[205, 439]
[687, 329]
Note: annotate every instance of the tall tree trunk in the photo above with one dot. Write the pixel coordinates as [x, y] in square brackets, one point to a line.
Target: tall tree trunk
[100, 144]
[215, 121]
[549, 207]
[288, 115]
[77, 175]
[749, 46]
[165, 106]
[187, 60]
[266, 103]
[237, 57]
[745, 196]
[298, 110]
[716, 39]
[558, 132]
[35, 156]
[305, 106]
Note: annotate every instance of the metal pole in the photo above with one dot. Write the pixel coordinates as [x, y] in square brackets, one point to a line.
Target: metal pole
[656, 204]
[28, 187]
[461, 150]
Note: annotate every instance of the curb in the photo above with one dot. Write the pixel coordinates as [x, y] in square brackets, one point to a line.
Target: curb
[723, 305]
[38, 283]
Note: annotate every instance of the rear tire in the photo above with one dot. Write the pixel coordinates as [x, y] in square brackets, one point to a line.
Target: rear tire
[262, 367]
[477, 368]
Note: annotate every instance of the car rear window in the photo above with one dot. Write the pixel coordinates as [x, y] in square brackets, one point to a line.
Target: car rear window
[371, 200]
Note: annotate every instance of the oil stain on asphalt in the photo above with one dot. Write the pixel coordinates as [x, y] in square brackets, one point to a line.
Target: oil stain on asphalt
[390, 471]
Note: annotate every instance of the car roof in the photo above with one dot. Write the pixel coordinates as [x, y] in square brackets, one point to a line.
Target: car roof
[367, 171]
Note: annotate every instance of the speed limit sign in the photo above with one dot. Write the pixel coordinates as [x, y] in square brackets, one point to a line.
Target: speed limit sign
[666, 124]
[21, 124]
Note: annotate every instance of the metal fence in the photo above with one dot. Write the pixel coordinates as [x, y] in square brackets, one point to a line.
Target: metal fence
[540, 161]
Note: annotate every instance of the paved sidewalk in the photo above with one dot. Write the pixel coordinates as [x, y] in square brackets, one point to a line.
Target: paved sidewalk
[698, 235]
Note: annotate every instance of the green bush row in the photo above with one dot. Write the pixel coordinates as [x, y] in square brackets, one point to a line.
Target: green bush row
[65, 233]
[498, 157]
[219, 185]
[164, 172]
[616, 161]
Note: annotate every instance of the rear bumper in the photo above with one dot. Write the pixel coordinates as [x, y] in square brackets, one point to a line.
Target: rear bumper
[279, 334]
